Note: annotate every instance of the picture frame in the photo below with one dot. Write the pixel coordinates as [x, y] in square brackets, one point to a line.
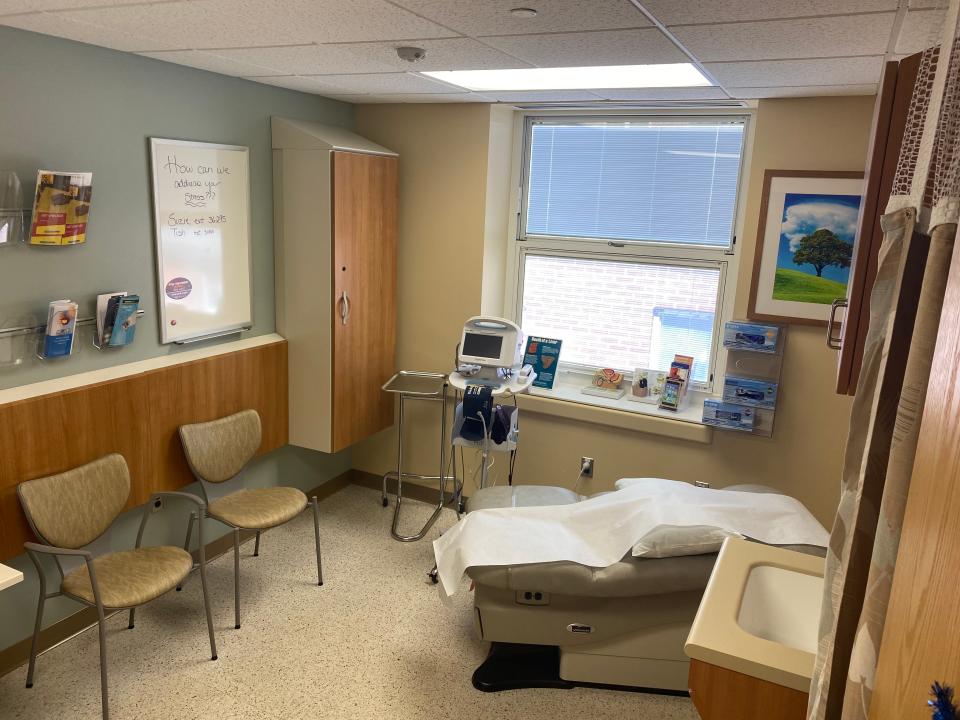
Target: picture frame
[806, 237]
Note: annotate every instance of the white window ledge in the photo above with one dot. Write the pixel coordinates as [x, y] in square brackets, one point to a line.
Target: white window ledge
[566, 401]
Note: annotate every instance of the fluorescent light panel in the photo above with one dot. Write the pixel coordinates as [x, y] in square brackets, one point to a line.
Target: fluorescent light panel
[576, 78]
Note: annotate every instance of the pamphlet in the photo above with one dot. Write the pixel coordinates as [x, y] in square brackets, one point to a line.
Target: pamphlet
[60, 208]
[107, 307]
[125, 322]
[61, 324]
[544, 355]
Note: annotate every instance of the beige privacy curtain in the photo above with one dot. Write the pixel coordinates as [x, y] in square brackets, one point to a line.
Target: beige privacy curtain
[919, 231]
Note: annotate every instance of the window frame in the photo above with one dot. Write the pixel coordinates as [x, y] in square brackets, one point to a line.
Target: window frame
[726, 258]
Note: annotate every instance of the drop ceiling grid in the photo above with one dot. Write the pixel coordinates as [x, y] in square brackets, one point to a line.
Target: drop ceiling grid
[752, 47]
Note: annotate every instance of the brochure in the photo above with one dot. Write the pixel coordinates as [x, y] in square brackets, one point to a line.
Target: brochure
[544, 355]
[125, 323]
[107, 307]
[61, 324]
[60, 208]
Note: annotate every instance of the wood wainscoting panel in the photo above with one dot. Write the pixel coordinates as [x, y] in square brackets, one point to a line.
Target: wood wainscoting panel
[208, 389]
[136, 416]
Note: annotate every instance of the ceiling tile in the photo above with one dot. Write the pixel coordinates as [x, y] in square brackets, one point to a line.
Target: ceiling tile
[54, 24]
[543, 96]
[375, 83]
[921, 29]
[207, 24]
[492, 17]
[306, 59]
[447, 54]
[296, 82]
[782, 39]
[702, 93]
[697, 12]
[744, 93]
[605, 47]
[9, 7]
[415, 98]
[213, 63]
[781, 73]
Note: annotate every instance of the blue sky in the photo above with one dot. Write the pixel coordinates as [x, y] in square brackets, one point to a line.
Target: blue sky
[803, 214]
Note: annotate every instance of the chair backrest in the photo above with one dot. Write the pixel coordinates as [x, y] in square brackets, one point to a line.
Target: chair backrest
[218, 450]
[76, 507]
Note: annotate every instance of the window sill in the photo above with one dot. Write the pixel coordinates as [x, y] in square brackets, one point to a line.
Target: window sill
[566, 401]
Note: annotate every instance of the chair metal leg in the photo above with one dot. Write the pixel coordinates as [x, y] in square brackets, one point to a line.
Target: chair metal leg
[186, 543]
[256, 546]
[236, 577]
[203, 584]
[316, 532]
[36, 628]
[102, 630]
[130, 624]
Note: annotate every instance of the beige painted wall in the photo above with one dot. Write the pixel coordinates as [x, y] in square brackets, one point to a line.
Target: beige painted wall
[445, 155]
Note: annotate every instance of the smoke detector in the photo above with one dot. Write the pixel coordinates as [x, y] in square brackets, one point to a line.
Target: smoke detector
[411, 54]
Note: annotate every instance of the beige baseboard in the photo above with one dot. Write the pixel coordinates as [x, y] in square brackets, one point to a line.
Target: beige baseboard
[18, 654]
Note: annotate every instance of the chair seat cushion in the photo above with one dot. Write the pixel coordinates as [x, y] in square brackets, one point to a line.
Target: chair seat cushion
[132, 577]
[258, 508]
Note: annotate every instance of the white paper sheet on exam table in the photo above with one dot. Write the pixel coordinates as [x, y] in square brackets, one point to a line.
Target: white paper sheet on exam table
[598, 532]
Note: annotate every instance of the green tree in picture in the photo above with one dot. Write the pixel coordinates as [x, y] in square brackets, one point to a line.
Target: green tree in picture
[821, 249]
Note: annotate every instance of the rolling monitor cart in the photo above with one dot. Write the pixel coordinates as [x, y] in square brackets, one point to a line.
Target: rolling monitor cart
[429, 387]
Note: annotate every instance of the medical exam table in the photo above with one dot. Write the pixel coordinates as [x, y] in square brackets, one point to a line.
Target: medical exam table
[561, 623]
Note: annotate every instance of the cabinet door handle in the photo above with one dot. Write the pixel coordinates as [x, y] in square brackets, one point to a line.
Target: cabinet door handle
[832, 342]
[344, 307]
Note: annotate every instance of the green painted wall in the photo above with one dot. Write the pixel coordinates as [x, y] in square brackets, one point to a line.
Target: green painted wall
[69, 106]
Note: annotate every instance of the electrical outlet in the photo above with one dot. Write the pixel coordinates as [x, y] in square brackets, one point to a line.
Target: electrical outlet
[586, 465]
[157, 505]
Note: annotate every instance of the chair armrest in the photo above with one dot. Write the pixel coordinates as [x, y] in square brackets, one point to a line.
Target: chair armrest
[177, 493]
[201, 508]
[52, 550]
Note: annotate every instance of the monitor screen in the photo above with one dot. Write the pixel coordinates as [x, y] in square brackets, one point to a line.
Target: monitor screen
[485, 346]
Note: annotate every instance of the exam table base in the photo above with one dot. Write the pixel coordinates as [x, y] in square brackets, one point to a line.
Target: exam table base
[513, 666]
[637, 642]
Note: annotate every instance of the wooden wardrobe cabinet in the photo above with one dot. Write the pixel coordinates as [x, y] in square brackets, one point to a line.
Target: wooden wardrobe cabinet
[335, 247]
[889, 123]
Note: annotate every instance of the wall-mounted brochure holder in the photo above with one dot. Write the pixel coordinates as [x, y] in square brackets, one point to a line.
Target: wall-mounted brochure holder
[18, 343]
[751, 388]
[13, 218]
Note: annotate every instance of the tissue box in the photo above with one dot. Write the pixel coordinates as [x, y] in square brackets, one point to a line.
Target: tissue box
[744, 391]
[730, 417]
[750, 336]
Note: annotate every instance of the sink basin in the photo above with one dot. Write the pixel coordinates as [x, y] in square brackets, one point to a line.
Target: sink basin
[760, 614]
[782, 606]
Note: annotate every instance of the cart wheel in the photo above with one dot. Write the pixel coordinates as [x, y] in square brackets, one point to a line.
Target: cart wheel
[433, 577]
[385, 501]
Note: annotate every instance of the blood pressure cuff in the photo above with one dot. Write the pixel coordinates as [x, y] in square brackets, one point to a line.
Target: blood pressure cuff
[477, 404]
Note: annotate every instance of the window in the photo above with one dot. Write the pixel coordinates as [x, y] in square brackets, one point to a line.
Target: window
[625, 233]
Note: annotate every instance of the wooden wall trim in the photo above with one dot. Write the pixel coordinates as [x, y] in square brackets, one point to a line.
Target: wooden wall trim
[136, 415]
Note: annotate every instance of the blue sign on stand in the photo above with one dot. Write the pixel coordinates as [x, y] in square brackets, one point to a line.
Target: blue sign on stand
[544, 355]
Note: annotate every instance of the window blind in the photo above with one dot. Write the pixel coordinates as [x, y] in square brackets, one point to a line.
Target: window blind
[669, 182]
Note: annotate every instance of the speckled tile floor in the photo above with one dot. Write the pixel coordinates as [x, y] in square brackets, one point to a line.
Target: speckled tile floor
[374, 642]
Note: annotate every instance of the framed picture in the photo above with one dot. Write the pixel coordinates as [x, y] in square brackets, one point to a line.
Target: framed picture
[805, 244]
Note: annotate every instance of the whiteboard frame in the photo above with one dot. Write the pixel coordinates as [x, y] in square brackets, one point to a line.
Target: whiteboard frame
[162, 315]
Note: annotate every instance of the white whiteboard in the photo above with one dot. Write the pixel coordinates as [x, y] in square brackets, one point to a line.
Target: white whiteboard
[201, 202]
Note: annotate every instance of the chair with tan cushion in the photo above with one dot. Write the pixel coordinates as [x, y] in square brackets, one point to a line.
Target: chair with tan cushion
[69, 512]
[217, 452]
